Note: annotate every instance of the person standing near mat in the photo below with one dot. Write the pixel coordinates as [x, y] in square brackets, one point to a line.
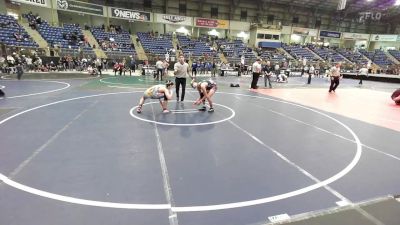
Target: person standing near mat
[267, 74]
[335, 77]
[311, 72]
[256, 73]
[363, 72]
[160, 68]
[159, 92]
[206, 89]
[181, 72]
[20, 71]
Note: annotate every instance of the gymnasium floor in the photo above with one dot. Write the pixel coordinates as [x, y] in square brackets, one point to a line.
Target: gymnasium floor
[73, 151]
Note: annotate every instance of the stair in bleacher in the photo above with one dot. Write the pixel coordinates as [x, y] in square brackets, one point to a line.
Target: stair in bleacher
[141, 55]
[116, 44]
[8, 31]
[235, 50]
[68, 38]
[392, 56]
[328, 54]
[352, 56]
[35, 35]
[196, 48]
[378, 57]
[315, 54]
[93, 42]
[285, 53]
[300, 52]
[155, 46]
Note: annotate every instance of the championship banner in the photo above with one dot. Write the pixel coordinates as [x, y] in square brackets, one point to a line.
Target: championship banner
[80, 7]
[128, 14]
[355, 36]
[383, 37]
[173, 19]
[330, 34]
[210, 23]
[304, 31]
[41, 3]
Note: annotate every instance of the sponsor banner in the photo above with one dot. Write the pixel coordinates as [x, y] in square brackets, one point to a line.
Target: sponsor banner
[128, 14]
[383, 37]
[356, 36]
[80, 7]
[211, 23]
[330, 34]
[41, 3]
[305, 31]
[173, 19]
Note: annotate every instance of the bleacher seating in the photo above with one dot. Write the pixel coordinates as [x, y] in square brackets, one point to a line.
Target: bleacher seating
[233, 51]
[327, 54]
[56, 36]
[395, 54]
[123, 45]
[299, 52]
[272, 56]
[157, 46]
[378, 57]
[195, 48]
[8, 27]
[354, 57]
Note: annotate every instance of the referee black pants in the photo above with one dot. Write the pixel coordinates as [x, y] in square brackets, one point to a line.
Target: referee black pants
[334, 83]
[255, 80]
[178, 83]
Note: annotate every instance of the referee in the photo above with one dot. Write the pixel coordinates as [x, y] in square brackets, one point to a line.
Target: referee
[256, 73]
[335, 77]
[181, 72]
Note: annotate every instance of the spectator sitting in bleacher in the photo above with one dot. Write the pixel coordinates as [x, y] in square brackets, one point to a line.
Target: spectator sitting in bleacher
[92, 71]
[52, 66]
[18, 36]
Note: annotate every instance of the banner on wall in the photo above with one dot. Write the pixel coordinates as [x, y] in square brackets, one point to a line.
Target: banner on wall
[128, 14]
[305, 31]
[174, 19]
[330, 34]
[355, 36]
[41, 3]
[211, 23]
[383, 37]
[80, 7]
[239, 25]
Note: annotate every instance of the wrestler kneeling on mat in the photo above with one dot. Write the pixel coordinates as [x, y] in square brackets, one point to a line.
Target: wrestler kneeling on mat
[161, 91]
[206, 90]
[396, 96]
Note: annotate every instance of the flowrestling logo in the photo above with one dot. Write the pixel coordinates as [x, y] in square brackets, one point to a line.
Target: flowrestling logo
[62, 4]
[130, 14]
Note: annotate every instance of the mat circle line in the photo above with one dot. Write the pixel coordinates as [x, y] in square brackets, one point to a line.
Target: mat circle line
[232, 205]
[67, 85]
[132, 113]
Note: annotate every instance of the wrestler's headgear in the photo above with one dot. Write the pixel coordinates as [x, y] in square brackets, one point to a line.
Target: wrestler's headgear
[169, 83]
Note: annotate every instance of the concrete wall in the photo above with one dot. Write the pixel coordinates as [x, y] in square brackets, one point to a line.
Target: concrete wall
[81, 19]
[3, 7]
